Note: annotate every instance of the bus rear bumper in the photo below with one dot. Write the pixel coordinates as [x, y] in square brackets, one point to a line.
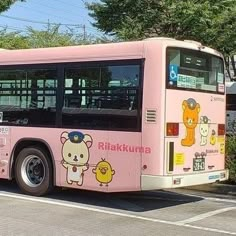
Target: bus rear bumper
[152, 182]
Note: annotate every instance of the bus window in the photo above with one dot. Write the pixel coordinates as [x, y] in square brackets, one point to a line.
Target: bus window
[77, 83]
[28, 97]
[194, 70]
[102, 97]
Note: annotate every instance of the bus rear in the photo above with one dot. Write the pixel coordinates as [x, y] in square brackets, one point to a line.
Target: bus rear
[230, 107]
[195, 117]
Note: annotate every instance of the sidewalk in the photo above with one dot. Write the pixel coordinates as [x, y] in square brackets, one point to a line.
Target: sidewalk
[217, 188]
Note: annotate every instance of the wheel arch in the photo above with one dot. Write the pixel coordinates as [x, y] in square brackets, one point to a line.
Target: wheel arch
[28, 142]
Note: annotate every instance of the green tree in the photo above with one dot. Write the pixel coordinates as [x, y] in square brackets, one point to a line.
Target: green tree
[50, 37]
[5, 4]
[53, 36]
[12, 40]
[211, 22]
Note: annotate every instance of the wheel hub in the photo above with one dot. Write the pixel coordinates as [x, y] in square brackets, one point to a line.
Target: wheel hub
[33, 171]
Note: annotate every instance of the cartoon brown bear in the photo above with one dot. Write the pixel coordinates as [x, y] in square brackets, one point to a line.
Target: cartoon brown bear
[191, 111]
[75, 153]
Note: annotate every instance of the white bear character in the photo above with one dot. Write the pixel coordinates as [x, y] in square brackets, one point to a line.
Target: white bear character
[75, 153]
[204, 129]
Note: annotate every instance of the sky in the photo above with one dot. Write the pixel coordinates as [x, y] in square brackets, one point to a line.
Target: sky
[72, 12]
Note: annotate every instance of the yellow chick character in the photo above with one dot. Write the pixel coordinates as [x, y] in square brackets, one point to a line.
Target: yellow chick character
[222, 148]
[103, 172]
[213, 137]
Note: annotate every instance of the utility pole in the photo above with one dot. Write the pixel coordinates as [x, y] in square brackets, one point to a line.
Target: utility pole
[84, 30]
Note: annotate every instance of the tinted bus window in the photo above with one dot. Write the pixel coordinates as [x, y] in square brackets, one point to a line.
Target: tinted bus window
[102, 97]
[28, 97]
[194, 70]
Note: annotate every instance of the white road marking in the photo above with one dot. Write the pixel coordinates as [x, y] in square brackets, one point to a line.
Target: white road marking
[157, 197]
[84, 207]
[215, 199]
[205, 215]
[219, 200]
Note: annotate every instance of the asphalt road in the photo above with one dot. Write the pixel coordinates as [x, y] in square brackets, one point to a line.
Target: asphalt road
[74, 212]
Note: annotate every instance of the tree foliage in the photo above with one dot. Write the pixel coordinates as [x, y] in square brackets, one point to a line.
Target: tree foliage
[231, 156]
[5, 4]
[211, 22]
[51, 36]
[12, 40]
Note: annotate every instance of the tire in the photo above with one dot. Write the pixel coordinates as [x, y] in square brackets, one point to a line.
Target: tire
[33, 171]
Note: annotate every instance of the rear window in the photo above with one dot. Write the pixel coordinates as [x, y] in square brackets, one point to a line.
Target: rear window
[194, 70]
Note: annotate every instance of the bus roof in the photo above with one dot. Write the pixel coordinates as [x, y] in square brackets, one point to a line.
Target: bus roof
[96, 52]
[111, 51]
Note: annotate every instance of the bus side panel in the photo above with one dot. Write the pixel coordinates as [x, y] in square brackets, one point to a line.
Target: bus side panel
[112, 159]
[114, 164]
[153, 113]
[125, 161]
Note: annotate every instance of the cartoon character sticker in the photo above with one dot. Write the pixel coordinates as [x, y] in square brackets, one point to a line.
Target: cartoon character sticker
[191, 111]
[204, 129]
[75, 153]
[213, 137]
[103, 172]
[222, 148]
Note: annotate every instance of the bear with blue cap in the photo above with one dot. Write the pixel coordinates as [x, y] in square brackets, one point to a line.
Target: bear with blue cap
[75, 152]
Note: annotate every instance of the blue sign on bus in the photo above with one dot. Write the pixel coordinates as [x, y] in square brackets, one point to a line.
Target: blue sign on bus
[173, 72]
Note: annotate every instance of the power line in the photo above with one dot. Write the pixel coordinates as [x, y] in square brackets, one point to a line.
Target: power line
[43, 13]
[39, 22]
[66, 4]
[54, 8]
[20, 30]
[12, 28]
[46, 23]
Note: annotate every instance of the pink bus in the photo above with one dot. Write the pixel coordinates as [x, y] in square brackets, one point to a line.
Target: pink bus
[126, 116]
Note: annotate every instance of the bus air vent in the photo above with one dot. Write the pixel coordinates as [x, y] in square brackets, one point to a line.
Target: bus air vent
[151, 115]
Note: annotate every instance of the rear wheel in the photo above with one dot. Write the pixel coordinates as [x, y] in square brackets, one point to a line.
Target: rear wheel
[33, 171]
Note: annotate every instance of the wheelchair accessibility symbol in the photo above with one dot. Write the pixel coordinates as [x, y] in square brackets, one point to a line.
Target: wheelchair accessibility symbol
[173, 72]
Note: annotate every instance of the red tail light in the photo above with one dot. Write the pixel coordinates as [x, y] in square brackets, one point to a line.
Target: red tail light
[221, 129]
[172, 129]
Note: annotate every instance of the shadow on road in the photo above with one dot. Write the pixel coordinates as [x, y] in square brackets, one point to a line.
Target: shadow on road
[128, 201]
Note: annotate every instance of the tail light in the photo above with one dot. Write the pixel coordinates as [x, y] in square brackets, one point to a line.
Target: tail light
[172, 129]
[177, 181]
[221, 129]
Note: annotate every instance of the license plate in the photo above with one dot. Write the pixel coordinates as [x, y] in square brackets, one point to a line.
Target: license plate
[198, 164]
